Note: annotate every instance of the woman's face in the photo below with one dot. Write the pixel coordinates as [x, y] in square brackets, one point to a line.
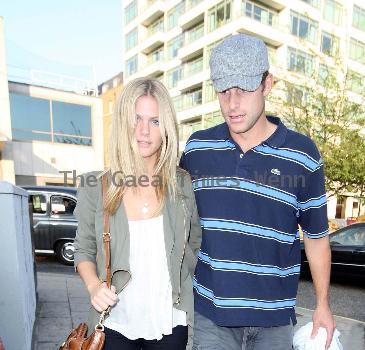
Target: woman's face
[147, 129]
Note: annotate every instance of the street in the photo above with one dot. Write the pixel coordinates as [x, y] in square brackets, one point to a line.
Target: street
[347, 297]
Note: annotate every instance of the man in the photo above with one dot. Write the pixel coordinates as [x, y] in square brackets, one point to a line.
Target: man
[254, 182]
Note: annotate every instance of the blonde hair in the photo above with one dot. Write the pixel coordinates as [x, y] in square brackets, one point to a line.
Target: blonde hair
[125, 159]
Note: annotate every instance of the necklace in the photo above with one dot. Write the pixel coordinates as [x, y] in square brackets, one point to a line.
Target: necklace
[145, 208]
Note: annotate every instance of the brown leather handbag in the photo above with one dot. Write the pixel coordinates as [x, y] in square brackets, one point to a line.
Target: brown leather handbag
[77, 339]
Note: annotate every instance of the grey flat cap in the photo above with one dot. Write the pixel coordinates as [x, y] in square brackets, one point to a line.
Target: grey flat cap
[239, 61]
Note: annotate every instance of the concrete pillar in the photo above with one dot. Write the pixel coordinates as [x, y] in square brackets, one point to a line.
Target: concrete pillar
[6, 150]
[348, 207]
[18, 294]
[331, 207]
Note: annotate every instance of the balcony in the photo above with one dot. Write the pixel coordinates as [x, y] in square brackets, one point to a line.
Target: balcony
[193, 46]
[153, 10]
[275, 4]
[192, 75]
[155, 64]
[194, 13]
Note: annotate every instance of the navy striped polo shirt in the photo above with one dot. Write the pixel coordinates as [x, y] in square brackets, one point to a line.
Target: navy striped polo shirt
[250, 205]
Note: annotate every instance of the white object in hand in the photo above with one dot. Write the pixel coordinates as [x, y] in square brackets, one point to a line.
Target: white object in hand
[302, 339]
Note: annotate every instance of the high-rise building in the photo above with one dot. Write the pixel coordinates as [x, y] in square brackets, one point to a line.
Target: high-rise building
[172, 41]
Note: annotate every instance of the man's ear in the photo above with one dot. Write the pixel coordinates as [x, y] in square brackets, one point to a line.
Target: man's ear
[267, 85]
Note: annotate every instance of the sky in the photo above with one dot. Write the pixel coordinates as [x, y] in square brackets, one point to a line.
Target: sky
[79, 38]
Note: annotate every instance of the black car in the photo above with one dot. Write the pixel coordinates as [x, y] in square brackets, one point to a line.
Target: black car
[348, 251]
[54, 222]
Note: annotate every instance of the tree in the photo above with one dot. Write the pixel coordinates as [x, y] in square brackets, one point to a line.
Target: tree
[322, 107]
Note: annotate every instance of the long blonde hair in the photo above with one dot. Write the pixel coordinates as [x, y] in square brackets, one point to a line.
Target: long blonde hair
[125, 159]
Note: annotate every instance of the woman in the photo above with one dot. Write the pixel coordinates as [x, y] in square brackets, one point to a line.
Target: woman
[154, 227]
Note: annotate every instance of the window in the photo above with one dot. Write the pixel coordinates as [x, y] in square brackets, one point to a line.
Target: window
[314, 3]
[174, 45]
[219, 15]
[303, 27]
[332, 12]
[357, 51]
[130, 12]
[192, 98]
[39, 203]
[31, 120]
[354, 236]
[209, 92]
[299, 61]
[272, 55]
[259, 13]
[61, 205]
[174, 14]
[209, 51]
[213, 119]
[155, 56]
[191, 3]
[157, 26]
[187, 128]
[131, 39]
[173, 77]
[325, 73]
[329, 44]
[193, 67]
[71, 123]
[132, 65]
[358, 18]
[355, 82]
[294, 95]
[194, 33]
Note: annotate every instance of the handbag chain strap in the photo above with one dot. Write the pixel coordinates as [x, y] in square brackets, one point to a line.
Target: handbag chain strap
[106, 240]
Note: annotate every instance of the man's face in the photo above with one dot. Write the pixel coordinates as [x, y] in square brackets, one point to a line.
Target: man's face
[242, 109]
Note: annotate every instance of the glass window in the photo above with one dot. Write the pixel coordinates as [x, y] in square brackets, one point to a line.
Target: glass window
[354, 236]
[299, 61]
[38, 202]
[294, 95]
[209, 94]
[71, 119]
[173, 77]
[303, 27]
[174, 45]
[157, 26]
[131, 39]
[259, 13]
[213, 119]
[325, 73]
[329, 44]
[130, 12]
[30, 118]
[174, 14]
[61, 205]
[193, 67]
[156, 55]
[132, 65]
[332, 12]
[194, 33]
[187, 128]
[192, 98]
[314, 3]
[355, 82]
[219, 15]
[357, 51]
[358, 18]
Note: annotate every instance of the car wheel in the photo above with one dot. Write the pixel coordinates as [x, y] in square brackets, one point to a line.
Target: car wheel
[65, 252]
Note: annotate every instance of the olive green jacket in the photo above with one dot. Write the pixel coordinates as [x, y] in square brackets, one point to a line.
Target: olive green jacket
[182, 233]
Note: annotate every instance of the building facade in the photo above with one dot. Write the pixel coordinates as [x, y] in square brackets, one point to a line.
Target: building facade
[172, 41]
[108, 92]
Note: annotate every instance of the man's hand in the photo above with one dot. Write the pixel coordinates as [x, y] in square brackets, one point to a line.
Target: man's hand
[322, 317]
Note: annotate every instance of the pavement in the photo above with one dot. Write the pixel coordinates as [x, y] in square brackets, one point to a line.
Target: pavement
[63, 302]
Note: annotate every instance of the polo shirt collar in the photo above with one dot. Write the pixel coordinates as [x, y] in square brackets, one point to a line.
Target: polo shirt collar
[277, 139]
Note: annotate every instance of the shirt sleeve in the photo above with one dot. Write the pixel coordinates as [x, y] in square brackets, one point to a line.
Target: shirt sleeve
[312, 202]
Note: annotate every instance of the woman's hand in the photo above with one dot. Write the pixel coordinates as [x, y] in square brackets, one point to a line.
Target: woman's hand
[101, 297]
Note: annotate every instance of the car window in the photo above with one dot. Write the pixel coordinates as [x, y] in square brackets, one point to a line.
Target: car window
[352, 236]
[61, 205]
[39, 203]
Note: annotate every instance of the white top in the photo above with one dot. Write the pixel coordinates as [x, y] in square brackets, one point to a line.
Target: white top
[145, 308]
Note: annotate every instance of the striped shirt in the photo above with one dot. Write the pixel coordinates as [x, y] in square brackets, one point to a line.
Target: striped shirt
[250, 205]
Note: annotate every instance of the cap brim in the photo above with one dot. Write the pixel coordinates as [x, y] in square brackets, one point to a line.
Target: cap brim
[243, 82]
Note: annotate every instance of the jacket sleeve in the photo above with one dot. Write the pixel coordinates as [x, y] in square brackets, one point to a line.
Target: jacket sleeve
[85, 240]
[195, 237]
